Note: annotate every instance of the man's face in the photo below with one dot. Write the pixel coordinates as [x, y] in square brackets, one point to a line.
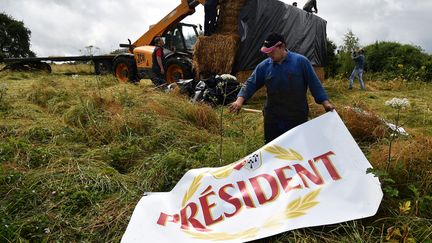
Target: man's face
[277, 54]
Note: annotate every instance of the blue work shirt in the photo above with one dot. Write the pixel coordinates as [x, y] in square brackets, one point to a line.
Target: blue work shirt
[359, 61]
[287, 85]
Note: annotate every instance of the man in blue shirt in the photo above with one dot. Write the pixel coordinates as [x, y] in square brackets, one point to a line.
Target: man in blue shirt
[287, 76]
[359, 60]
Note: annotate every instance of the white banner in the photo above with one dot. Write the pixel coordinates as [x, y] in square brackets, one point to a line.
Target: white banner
[314, 174]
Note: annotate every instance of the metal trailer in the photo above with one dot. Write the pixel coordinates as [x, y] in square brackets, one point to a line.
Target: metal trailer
[103, 64]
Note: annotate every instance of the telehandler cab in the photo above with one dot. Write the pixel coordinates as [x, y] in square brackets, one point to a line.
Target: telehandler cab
[179, 39]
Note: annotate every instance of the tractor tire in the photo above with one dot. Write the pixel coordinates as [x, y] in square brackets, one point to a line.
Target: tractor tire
[125, 69]
[178, 69]
[41, 66]
[28, 67]
[102, 67]
[17, 67]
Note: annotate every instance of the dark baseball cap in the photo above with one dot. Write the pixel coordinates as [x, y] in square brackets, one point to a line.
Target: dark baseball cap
[272, 41]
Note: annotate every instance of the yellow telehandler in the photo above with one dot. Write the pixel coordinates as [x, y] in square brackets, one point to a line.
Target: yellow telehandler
[179, 40]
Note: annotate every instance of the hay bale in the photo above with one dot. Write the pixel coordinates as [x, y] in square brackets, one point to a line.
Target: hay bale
[242, 76]
[228, 16]
[229, 13]
[227, 26]
[227, 30]
[230, 6]
[411, 158]
[363, 125]
[230, 21]
[215, 54]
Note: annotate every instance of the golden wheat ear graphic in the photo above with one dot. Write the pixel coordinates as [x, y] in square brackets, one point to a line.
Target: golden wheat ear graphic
[223, 236]
[220, 173]
[296, 208]
[301, 205]
[192, 188]
[285, 154]
[226, 171]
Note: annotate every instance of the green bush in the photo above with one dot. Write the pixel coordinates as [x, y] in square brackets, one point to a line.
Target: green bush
[331, 62]
[391, 60]
[398, 60]
[345, 64]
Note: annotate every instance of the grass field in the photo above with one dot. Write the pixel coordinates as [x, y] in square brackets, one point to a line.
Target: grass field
[78, 151]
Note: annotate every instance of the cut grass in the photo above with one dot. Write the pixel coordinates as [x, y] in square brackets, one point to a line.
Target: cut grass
[78, 152]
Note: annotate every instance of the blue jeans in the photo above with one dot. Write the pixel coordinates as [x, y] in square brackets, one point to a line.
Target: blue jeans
[158, 79]
[359, 73]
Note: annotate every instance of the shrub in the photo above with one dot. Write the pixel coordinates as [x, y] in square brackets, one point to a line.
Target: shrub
[406, 61]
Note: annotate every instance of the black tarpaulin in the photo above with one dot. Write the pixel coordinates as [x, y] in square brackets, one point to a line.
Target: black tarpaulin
[305, 33]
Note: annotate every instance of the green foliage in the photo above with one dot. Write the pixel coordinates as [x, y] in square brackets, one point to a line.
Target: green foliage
[392, 56]
[398, 60]
[344, 63]
[423, 200]
[426, 70]
[388, 184]
[350, 42]
[331, 60]
[14, 38]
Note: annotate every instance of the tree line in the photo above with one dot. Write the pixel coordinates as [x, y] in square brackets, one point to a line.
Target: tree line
[14, 38]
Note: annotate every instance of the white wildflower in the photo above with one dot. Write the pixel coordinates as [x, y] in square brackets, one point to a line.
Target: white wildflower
[397, 103]
[47, 230]
[228, 76]
[396, 129]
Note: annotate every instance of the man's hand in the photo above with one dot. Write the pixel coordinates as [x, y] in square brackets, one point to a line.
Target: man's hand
[327, 105]
[236, 105]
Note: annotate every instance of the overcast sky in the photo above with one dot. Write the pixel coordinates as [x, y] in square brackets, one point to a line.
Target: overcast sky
[64, 27]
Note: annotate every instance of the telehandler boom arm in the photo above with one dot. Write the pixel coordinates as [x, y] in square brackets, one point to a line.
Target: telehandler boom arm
[186, 8]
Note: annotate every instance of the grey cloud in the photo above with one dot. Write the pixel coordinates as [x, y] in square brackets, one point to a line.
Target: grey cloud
[61, 27]
[64, 27]
[379, 20]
